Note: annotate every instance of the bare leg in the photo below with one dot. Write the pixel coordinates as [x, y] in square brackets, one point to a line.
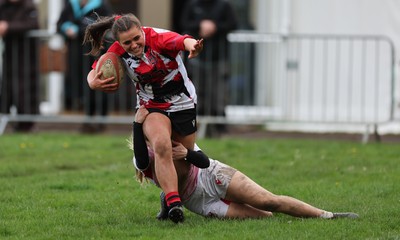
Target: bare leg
[238, 210]
[157, 128]
[182, 167]
[187, 141]
[244, 190]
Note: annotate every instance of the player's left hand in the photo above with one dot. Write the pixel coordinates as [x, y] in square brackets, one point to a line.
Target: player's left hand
[196, 49]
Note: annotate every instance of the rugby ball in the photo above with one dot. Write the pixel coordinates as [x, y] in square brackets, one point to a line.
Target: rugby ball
[111, 66]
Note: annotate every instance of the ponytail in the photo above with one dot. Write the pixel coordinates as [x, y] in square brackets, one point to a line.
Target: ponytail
[95, 32]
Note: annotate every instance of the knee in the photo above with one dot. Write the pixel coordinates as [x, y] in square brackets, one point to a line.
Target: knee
[162, 148]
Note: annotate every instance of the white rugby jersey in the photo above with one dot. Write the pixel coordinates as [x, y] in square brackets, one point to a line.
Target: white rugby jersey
[159, 75]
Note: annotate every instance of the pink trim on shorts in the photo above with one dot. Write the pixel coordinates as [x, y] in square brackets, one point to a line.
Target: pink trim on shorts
[191, 183]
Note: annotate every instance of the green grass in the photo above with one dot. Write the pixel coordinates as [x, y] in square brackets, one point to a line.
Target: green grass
[66, 186]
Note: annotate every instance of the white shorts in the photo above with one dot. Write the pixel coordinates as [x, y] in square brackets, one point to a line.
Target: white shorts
[212, 184]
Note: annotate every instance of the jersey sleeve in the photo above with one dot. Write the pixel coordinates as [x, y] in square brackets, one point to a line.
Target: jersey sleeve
[167, 42]
[198, 158]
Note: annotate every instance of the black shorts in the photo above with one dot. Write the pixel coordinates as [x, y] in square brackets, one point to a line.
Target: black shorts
[183, 122]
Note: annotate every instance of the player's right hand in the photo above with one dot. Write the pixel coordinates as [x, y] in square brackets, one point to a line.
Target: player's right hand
[96, 83]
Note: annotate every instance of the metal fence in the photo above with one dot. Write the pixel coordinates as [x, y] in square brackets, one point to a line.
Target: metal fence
[57, 86]
[265, 77]
[306, 78]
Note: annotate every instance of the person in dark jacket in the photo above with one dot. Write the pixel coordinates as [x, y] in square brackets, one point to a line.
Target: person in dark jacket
[74, 18]
[19, 83]
[211, 20]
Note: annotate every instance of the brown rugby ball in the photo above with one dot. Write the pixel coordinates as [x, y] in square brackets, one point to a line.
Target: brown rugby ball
[111, 66]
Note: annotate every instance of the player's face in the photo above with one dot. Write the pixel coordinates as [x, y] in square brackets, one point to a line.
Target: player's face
[132, 41]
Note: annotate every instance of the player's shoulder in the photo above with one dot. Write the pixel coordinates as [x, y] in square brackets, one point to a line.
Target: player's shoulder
[154, 30]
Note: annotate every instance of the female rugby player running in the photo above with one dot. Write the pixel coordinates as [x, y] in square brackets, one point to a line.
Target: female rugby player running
[153, 62]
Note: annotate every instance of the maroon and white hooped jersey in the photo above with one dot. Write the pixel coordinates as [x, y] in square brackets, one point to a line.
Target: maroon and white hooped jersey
[159, 75]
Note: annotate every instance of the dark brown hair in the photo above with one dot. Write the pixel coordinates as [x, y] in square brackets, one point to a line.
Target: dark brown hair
[95, 32]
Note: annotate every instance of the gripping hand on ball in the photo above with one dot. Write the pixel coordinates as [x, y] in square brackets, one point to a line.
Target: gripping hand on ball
[96, 83]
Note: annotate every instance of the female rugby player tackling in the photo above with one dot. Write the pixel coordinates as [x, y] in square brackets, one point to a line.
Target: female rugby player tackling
[211, 188]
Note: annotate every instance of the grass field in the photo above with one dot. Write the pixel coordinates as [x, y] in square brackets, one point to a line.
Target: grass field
[70, 186]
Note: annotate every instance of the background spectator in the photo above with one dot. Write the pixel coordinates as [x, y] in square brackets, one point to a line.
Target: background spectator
[123, 6]
[19, 84]
[74, 18]
[211, 20]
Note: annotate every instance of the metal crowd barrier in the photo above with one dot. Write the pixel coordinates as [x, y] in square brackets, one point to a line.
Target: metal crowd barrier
[265, 78]
[308, 78]
[58, 86]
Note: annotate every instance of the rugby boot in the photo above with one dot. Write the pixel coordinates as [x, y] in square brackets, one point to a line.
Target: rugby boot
[163, 213]
[175, 213]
